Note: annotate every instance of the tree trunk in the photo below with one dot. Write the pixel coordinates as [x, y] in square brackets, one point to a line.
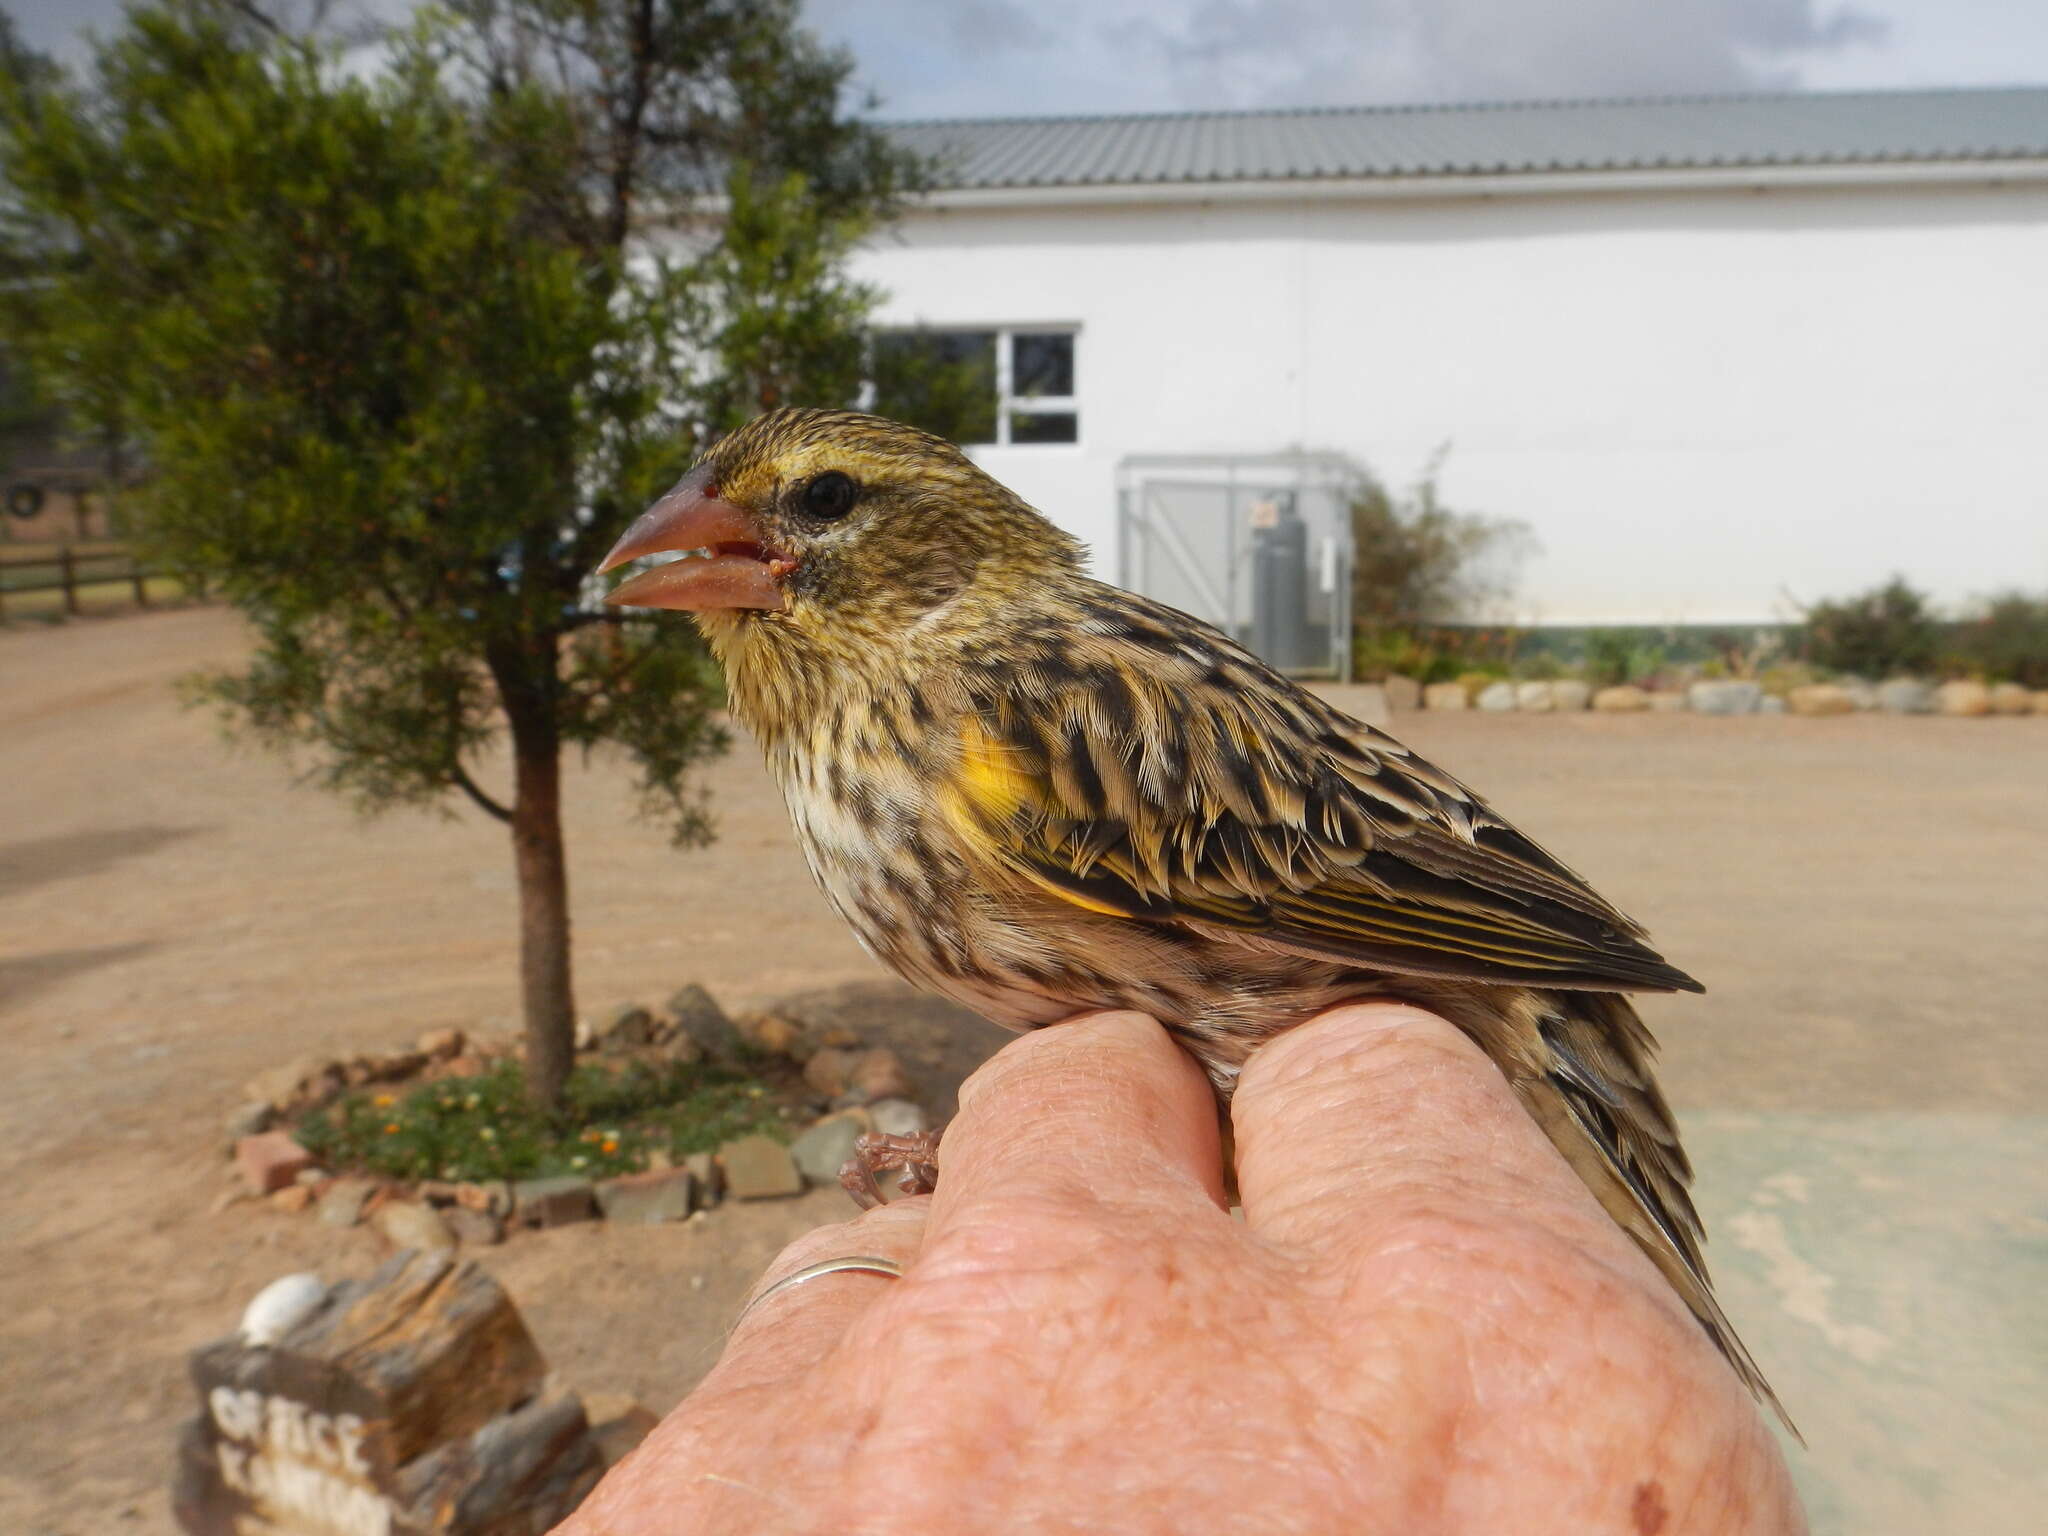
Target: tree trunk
[543, 871]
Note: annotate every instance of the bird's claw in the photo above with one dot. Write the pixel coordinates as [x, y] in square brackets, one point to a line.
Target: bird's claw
[916, 1156]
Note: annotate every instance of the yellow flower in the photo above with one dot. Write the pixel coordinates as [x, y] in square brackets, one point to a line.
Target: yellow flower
[384, 1100]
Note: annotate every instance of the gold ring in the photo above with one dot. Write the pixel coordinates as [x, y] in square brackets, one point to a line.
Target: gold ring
[862, 1263]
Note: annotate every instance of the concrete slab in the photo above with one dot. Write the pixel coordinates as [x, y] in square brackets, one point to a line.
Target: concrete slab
[1888, 1271]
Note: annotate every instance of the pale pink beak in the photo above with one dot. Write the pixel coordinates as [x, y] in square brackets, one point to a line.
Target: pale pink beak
[736, 569]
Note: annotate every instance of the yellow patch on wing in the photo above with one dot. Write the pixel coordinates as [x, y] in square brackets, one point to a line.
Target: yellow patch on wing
[994, 801]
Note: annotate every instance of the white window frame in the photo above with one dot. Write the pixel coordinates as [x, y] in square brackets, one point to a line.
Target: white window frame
[1006, 401]
[1032, 405]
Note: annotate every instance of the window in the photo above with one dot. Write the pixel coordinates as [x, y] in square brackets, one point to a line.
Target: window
[1009, 385]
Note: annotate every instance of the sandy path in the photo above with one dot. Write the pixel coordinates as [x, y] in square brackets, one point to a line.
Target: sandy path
[1864, 896]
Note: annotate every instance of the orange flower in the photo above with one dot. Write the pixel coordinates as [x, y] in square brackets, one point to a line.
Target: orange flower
[391, 1129]
[609, 1146]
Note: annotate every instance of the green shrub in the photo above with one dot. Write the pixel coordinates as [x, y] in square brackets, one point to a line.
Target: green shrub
[485, 1127]
[2007, 642]
[1886, 630]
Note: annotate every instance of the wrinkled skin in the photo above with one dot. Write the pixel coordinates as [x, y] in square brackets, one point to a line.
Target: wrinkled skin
[1422, 1324]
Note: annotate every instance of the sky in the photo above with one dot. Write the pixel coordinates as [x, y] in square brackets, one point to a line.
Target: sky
[987, 58]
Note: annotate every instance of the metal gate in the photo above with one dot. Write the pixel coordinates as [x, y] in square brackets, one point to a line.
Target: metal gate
[1258, 545]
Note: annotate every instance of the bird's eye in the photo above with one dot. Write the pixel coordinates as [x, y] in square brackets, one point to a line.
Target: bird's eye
[830, 495]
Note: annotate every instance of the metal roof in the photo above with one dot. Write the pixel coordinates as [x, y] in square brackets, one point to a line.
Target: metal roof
[1667, 133]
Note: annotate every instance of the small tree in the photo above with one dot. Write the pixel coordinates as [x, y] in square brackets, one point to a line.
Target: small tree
[1887, 629]
[2005, 639]
[402, 377]
[1419, 562]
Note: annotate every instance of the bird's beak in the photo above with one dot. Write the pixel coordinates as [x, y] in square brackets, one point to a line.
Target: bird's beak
[734, 569]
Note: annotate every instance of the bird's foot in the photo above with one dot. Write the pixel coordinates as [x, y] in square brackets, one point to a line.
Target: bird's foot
[916, 1156]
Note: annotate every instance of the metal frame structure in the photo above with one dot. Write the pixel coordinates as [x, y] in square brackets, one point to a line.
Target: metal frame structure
[1257, 544]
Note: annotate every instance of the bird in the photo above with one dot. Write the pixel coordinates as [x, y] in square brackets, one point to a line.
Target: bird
[1039, 794]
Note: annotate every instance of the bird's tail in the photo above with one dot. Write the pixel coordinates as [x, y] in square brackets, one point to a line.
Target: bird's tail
[1581, 1063]
[1597, 1100]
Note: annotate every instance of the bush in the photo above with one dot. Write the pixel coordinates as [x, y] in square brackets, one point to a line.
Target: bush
[1617, 656]
[1886, 630]
[1431, 654]
[2006, 643]
[485, 1127]
[1418, 561]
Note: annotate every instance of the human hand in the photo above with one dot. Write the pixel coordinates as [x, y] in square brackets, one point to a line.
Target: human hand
[1424, 1323]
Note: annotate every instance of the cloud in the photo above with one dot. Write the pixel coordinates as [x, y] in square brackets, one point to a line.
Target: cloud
[946, 57]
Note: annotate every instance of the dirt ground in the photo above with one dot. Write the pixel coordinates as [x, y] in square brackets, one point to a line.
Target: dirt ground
[1866, 898]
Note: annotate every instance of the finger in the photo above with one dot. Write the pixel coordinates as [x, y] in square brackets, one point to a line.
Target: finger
[1102, 1108]
[790, 1331]
[1376, 1112]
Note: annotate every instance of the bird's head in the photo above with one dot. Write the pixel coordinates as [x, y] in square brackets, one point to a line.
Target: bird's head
[835, 526]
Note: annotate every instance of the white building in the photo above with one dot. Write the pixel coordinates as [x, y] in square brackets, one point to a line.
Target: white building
[1717, 353]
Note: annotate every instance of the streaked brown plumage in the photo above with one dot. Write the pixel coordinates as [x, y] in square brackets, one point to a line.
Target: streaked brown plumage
[1037, 794]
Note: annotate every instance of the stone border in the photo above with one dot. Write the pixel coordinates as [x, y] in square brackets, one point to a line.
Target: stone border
[1960, 697]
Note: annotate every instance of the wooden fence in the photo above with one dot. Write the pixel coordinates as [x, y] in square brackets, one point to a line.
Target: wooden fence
[68, 569]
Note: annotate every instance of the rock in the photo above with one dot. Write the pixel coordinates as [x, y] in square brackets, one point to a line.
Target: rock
[645, 1199]
[391, 1066]
[1446, 696]
[698, 1017]
[270, 1161]
[474, 1229]
[1402, 692]
[707, 1179]
[304, 1084]
[823, 1150]
[1770, 704]
[493, 1197]
[1667, 701]
[2041, 701]
[1861, 695]
[1496, 698]
[1821, 699]
[293, 1197]
[1570, 695]
[781, 1037]
[437, 1192]
[1724, 698]
[1905, 696]
[441, 1044]
[2011, 699]
[830, 1072]
[627, 1027]
[553, 1202]
[584, 1038]
[467, 1065]
[840, 1038]
[1533, 698]
[759, 1168]
[1963, 698]
[280, 1307]
[342, 1205]
[898, 1117]
[680, 1049]
[250, 1119]
[1623, 700]
[879, 1074]
[406, 1225]
[617, 1424]
[1367, 702]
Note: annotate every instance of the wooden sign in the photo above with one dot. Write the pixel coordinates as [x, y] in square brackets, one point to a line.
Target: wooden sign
[408, 1403]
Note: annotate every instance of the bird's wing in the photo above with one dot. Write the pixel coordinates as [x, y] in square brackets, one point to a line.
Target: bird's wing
[1139, 765]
